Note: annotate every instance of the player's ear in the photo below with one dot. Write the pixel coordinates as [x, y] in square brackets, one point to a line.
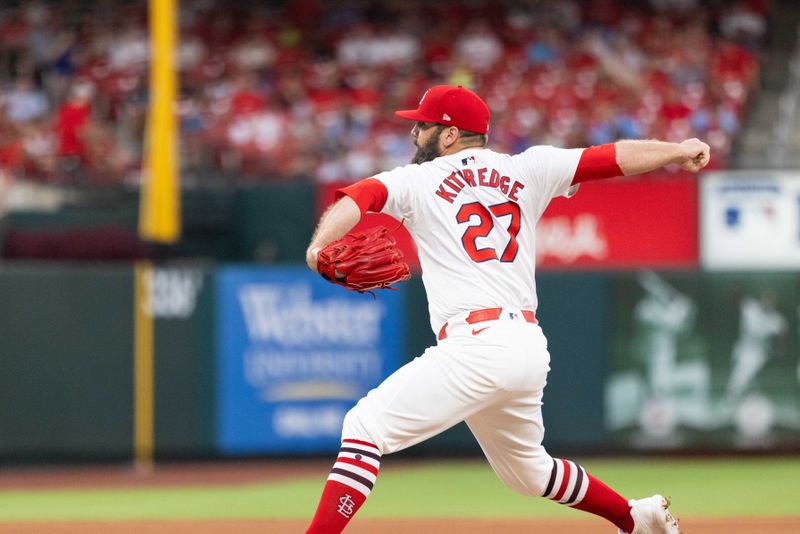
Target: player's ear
[451, 135]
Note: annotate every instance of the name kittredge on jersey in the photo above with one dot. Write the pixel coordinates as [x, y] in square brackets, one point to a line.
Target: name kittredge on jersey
[456, 181]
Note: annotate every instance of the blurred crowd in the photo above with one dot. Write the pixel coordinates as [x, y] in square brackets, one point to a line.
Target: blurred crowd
[305, 89]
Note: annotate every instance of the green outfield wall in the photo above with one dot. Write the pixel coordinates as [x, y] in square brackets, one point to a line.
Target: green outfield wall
[65, 361]
[640, 361]
[66, 370]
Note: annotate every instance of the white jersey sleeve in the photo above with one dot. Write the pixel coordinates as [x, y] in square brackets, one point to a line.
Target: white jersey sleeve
[550, 170]
[399, 185]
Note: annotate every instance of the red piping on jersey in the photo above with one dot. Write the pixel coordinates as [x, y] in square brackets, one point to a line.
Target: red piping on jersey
[369, 194]
[597, 162]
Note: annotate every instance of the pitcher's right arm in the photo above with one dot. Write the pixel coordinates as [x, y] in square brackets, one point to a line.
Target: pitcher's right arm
[337, 220]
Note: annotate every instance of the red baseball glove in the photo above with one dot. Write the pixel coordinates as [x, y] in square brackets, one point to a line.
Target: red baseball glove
[362, 261]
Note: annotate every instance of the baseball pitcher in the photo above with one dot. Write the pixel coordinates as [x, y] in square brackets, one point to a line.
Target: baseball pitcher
[472, 213]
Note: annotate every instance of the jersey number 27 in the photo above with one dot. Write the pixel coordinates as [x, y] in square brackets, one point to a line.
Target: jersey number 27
[484, 226]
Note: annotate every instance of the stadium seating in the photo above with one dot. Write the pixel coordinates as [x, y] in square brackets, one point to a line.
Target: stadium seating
[304, 90]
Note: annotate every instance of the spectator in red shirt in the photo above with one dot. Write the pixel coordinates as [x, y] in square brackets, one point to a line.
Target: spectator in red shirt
[246, 97]
[72, 117]
[12, 153]
[674, 107]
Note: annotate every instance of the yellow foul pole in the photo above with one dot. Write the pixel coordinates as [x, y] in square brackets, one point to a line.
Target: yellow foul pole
[143, 369]
[159, 209]
[159, 215]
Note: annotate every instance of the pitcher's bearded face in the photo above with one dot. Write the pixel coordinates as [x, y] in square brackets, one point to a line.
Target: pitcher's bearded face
[426, 139]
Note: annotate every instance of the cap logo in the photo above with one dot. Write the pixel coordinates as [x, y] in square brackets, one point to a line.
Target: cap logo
[446, 117]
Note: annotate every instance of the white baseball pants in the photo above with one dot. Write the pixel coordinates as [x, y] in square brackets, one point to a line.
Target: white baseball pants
[490, 374]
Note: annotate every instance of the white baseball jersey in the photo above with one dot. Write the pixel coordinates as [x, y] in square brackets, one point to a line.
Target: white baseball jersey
[473, 216]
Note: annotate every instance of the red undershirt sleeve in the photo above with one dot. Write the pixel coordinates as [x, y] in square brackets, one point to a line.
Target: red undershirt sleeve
[369, 194]
[597, 162]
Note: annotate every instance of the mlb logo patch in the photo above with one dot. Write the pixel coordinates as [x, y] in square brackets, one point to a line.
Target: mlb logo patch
[467, 161]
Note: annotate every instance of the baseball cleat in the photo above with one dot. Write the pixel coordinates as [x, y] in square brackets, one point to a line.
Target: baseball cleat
[652, 516]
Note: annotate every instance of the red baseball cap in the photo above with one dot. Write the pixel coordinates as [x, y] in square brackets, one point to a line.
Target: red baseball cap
[451, 105]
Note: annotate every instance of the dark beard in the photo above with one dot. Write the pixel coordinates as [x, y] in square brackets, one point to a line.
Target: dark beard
[427, 152]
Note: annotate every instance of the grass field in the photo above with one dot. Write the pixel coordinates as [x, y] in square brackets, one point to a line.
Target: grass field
[703, 488]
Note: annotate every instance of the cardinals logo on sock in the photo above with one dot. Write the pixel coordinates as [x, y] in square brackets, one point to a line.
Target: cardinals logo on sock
[346, 504]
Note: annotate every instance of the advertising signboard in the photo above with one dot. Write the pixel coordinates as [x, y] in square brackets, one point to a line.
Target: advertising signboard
[647, 222]
[294, 353]
[750, 220]
[704, 361]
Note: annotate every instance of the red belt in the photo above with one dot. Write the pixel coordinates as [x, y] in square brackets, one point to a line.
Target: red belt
[486, 314]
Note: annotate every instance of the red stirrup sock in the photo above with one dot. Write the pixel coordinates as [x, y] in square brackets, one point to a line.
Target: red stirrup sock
[348, 486]
[570, 484]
